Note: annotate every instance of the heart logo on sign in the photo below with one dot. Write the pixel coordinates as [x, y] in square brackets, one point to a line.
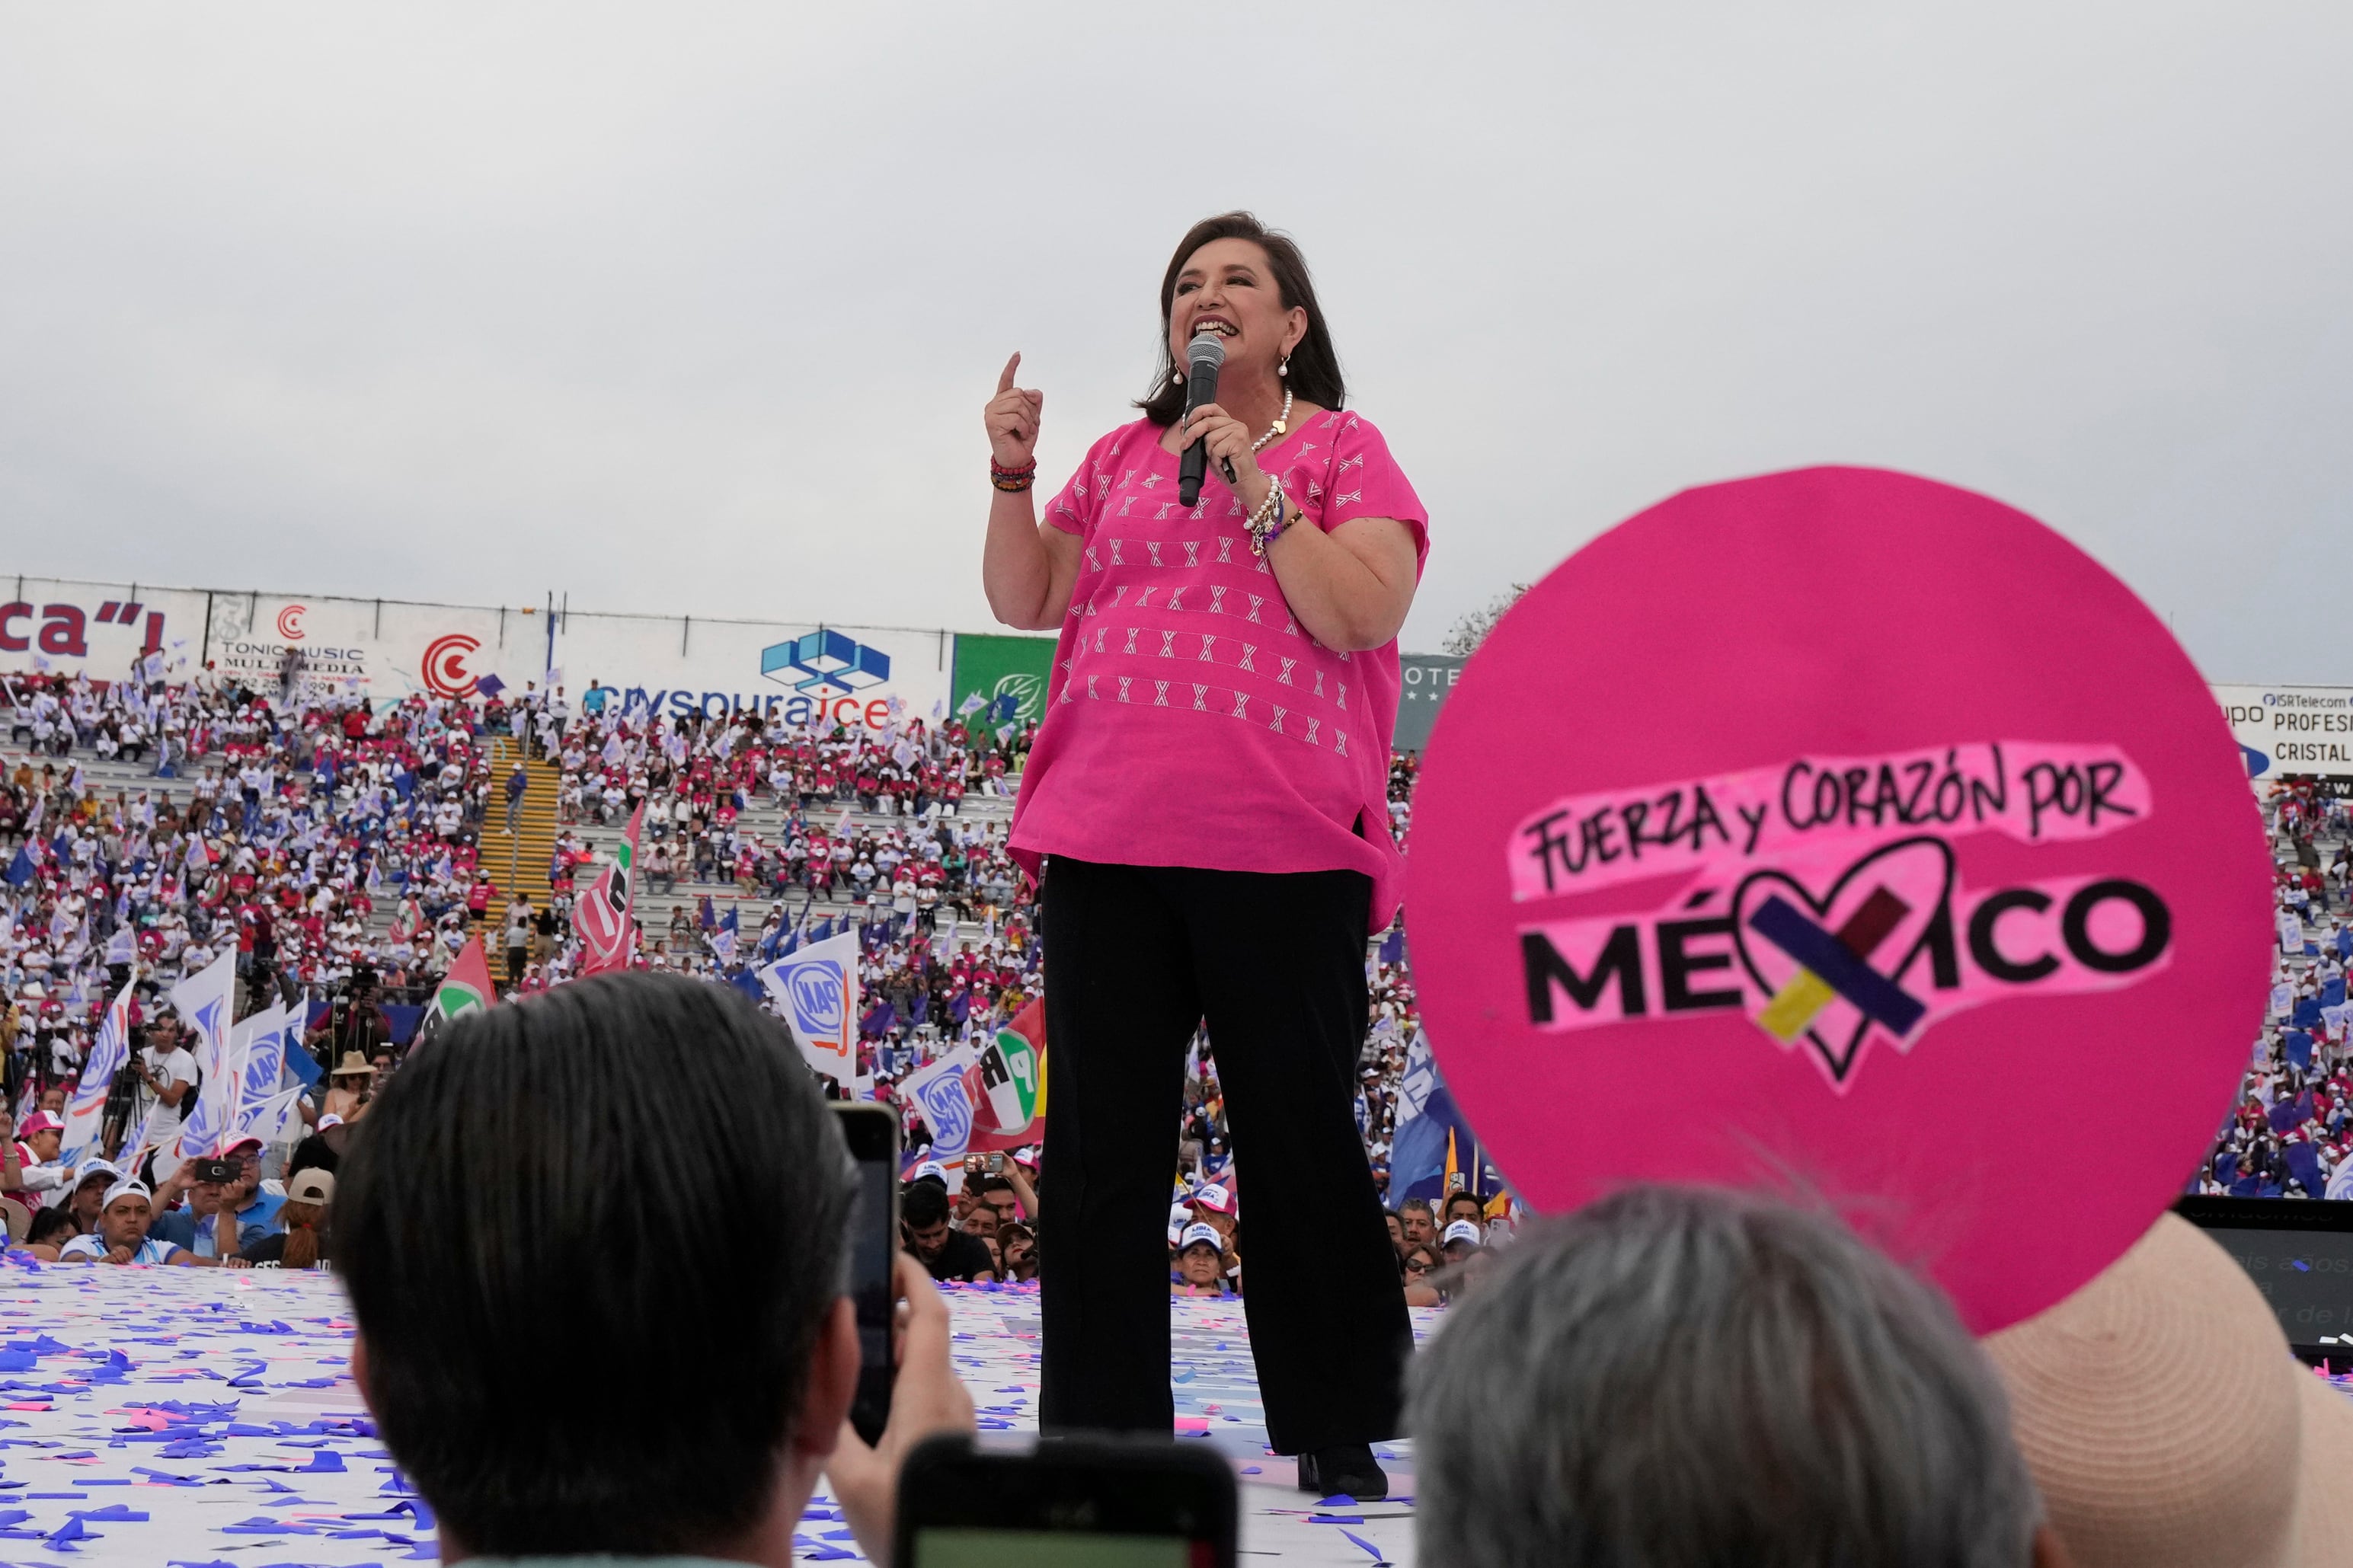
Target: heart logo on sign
[1834, 966]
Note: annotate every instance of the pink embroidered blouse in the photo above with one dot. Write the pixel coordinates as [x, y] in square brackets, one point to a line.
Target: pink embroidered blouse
[1190, 719]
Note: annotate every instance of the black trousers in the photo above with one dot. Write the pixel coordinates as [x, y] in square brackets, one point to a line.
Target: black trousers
[1136, 956]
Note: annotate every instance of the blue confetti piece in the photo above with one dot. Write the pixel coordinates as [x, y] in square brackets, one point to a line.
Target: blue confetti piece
[1371, 1551]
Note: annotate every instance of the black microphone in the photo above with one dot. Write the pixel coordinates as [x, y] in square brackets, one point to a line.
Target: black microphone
[1205, 353]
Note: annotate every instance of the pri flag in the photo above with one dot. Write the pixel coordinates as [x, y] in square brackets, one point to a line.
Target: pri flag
[85, 1112]
[603, 919]
[1013, 1071]
[816, 990]
[468, 988]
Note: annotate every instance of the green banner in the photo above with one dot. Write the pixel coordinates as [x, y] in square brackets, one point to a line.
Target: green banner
[1000, 680]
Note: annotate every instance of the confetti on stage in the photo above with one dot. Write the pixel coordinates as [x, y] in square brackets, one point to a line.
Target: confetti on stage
[180, 1416]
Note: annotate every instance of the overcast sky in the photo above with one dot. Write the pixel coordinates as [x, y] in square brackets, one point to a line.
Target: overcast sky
[691, 308]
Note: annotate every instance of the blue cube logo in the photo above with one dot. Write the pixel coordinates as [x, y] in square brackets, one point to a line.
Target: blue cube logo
[824, 663]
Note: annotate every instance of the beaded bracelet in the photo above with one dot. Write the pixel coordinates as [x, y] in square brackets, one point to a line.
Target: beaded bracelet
[1267, 524]
[1012, 479]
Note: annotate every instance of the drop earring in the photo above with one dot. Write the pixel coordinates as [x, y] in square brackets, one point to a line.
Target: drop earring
[1284, 368]
[1176, 378]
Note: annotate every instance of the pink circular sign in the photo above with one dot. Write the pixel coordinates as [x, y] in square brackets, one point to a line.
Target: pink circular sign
[1845, 833]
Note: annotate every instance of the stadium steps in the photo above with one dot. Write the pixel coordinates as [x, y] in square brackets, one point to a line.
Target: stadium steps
[517, 861]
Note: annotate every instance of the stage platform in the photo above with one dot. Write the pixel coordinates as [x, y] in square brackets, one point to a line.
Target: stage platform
[157, 1417]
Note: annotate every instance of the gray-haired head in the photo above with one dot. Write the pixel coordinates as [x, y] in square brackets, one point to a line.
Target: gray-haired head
[1679, 1378]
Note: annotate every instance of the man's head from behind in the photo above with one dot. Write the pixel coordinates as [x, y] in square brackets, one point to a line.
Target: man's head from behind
[629, 1165]
[1695, 1378]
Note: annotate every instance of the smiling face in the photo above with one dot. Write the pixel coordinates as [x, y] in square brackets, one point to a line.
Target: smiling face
[1228, 287]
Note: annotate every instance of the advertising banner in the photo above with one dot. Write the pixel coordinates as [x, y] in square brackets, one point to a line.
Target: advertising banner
[55, 626]
[1007, 675]
[2287, 731]
[388, 650]
[1425, 679]
[383, 649]
[799, 673]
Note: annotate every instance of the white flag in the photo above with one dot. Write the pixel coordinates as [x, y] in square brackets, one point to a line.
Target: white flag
[206, 1000]
[261, 1066]
[939, 1092]
[85, 1110]
[816, 990]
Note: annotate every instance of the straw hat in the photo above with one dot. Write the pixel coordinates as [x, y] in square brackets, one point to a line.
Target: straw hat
[354, 1065]
[2323, 1515]
[2166, 1421]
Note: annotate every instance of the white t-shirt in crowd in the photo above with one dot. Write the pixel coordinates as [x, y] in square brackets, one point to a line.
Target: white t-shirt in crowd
[178, 1066]
[151, 1251]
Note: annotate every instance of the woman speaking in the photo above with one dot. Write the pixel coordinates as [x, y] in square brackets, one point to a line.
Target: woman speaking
[1207, 807]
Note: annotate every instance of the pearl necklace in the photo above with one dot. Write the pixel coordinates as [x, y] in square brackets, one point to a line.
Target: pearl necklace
[1282, 423]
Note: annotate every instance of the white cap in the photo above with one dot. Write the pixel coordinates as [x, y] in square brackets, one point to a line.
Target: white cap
[1462, 1230]
[1179, 1216]
[930, 1168]
[1201, 1236]
[129, 1187]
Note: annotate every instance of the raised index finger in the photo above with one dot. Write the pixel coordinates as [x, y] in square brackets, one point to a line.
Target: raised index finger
[1005, 382]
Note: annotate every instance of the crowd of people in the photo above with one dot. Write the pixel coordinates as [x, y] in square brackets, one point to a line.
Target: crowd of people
[335, 843]
[2291, 1133]
[136, 1206]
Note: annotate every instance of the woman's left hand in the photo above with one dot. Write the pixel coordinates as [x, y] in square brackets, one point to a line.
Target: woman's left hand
[1228, 442]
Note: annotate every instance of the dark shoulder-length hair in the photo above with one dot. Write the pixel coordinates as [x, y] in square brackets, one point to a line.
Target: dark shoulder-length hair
[1314, 363]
